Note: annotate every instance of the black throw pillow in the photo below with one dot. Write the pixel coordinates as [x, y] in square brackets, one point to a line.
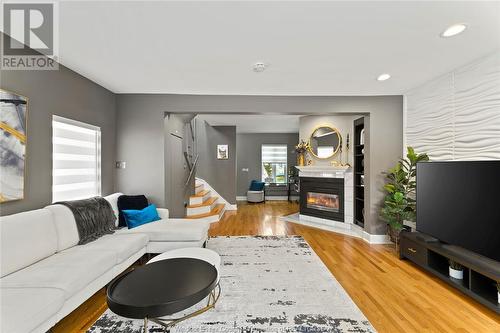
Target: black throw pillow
[125, 202]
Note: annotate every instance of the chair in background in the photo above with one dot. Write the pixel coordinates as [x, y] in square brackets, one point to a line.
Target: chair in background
[255, 193]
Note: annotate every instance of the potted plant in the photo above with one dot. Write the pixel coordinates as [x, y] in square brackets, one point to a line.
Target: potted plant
[269, 171]
[301, 149]
[399, 202]
[456, 270]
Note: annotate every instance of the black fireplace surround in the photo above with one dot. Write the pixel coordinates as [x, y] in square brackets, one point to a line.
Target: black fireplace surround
[322, 197]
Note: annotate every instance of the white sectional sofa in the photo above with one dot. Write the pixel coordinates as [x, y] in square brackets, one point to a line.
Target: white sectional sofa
[45, 275]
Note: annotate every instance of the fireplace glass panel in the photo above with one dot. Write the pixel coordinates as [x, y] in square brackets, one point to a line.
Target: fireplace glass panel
[323, 201]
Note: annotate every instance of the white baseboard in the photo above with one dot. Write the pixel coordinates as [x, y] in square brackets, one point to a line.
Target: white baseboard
[276, 198]
[241, 198]
[231, 207]
[376, 239]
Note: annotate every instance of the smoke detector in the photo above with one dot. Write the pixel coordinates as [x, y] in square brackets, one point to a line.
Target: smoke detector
[259, 67]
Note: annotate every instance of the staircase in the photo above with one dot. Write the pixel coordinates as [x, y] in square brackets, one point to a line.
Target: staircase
[203, 206]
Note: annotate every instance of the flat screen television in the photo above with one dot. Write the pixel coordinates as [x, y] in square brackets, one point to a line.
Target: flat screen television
[459, 203]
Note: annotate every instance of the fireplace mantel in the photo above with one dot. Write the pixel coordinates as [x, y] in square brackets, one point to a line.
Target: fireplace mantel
[327, 171]
[324, 171]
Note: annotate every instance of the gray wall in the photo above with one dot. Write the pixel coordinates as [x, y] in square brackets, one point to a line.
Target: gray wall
[249, 155]
[140, 143]
[220, 174]
[67, 94]
[140, 126]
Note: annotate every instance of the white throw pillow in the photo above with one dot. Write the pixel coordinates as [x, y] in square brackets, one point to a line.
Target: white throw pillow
[113, 201]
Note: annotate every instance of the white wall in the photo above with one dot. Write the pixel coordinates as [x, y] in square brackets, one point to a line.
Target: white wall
[345, 125]
[457, 116]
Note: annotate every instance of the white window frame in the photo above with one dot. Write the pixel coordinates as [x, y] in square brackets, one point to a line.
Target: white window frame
[84, 126]
[285, 161]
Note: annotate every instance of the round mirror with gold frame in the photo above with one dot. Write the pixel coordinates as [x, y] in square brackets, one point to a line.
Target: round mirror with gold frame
[325, 142]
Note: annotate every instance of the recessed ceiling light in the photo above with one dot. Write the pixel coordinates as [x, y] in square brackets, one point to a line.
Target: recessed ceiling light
[453, 30]
[259, 67]
[383, 77]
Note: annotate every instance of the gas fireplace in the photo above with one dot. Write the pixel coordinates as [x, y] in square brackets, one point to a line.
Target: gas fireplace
[322, 197]
[323, 201]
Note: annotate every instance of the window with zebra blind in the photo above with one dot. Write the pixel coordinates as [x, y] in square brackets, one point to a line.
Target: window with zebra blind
[274, 163]
[76, 160]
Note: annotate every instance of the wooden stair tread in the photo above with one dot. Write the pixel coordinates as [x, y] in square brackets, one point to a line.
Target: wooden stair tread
[207, 202]
[200, 194]
[216, 211]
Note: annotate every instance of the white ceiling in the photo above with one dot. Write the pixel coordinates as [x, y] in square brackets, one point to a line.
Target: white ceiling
[312, 48]
[255, 123]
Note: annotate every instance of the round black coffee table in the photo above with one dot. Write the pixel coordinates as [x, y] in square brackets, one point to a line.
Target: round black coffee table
[163, 288]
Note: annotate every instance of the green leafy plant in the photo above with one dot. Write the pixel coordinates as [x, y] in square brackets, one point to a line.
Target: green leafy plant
[269, 169]
[399, 202]
[455, 265]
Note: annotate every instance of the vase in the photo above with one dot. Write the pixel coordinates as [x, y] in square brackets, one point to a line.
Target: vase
[456, 273]
[301, 160]
[394, 236]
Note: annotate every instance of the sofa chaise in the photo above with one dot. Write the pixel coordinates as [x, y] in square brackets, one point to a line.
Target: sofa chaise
[45, 275]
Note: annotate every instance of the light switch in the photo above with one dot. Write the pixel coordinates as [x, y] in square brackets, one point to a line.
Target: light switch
[244, 169]
[121, 165]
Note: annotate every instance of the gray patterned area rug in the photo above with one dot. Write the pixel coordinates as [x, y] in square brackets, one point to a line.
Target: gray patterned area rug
[269, 284]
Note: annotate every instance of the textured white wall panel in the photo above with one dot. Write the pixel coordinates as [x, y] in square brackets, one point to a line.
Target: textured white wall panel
[457, 116]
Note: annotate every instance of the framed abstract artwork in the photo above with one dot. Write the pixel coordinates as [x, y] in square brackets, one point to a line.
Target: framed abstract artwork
[13, 139]
[222, 152]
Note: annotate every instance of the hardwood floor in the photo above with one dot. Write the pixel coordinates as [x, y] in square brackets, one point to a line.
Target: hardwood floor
[394, 295]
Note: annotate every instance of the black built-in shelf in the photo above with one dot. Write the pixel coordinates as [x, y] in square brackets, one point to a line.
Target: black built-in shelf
[480, 273]
[359, 189]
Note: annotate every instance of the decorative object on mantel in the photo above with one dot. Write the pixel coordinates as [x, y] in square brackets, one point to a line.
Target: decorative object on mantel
[301, 150]
[222, 152]
[456, 270]
[13, 109]
[399, 203]
[340, 149]
[336, 163]
[347, 150]
[325, 142]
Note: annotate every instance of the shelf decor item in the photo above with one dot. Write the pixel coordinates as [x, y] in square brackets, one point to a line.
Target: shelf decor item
[301, 148]
[456, 270]
[13, 139]
[399, 202]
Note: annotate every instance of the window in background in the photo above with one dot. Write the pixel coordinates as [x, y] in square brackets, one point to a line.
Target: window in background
[274, 163]
[76, 160]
